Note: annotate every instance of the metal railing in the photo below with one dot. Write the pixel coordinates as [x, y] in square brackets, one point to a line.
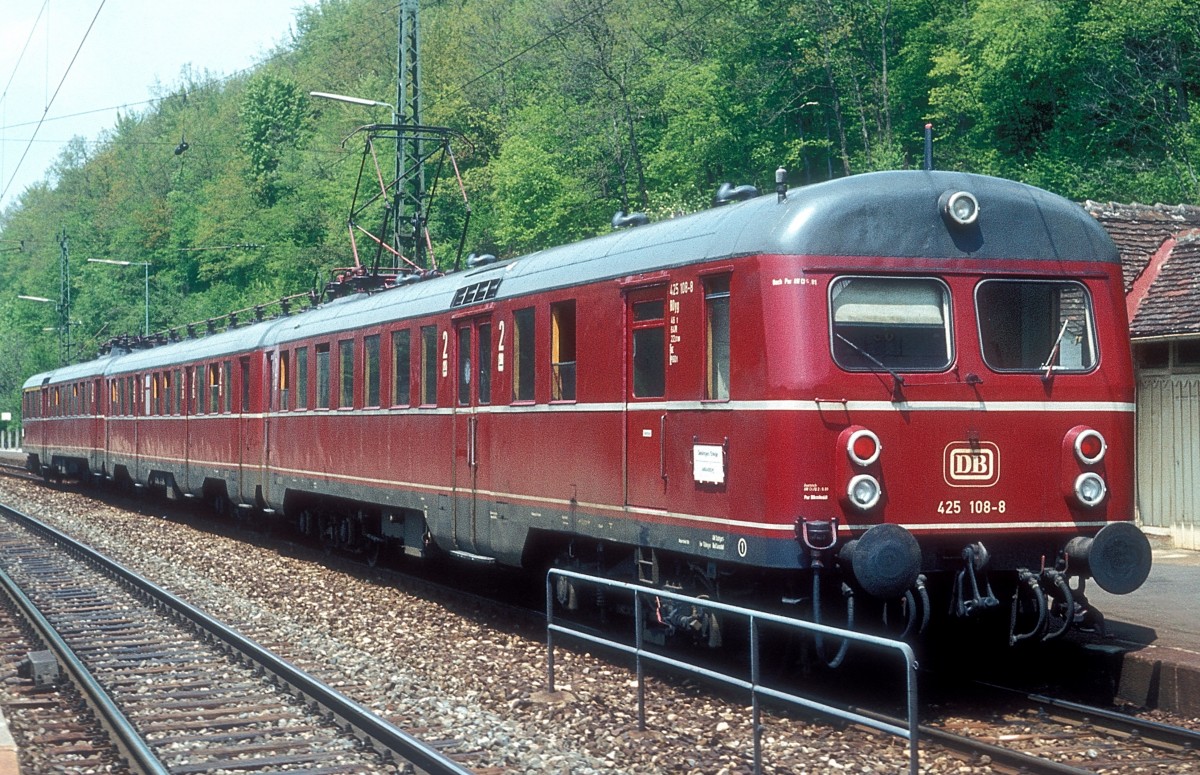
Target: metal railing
[754, 684]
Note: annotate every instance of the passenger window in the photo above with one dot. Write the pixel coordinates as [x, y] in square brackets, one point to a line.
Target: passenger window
[301, 371]
[284, 380]
[371, 369]
[214, 389]
[716, 335]
[523, 368]
[562, 351]
[401, 368]
[1036, 325]
[346, 373]
[322, 376]
[429, 365]
[895, 323]
[244, 369]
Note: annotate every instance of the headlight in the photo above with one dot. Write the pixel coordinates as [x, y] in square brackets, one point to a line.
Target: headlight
[864, 491]
[1090, 489]
[961, 207]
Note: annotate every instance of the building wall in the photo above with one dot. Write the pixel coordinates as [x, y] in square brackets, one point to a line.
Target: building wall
[1168, 455]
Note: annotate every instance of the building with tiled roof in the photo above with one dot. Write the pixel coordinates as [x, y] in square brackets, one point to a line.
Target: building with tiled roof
[1160, 254]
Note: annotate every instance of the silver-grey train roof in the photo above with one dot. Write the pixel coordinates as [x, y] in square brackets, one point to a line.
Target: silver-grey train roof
[882, 214]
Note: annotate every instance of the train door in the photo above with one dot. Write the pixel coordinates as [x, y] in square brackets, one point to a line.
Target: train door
[646, 415]
[472, 391]
[251, 405]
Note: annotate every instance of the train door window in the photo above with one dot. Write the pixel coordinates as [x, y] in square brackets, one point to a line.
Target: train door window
[716, 338]
[168, 395]
[464, 365]
[485, 363]
[322, 376]
[244, 374]
[562, 351]
[371, 369]
[429, 363]
[523, 361]
[897, 323]
[301, 372]
[346, 373]
[283, 379]
[1036, 325]
[401, 368]
[268, 399]
[649, 349]
[191, 390]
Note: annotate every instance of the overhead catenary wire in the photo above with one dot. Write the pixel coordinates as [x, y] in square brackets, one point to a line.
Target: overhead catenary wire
[21, 56]
[50, 101]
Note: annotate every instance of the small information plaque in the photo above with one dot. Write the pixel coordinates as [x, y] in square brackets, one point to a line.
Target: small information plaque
[708, 463]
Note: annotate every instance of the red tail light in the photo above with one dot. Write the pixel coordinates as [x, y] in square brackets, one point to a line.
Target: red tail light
[1090, 447]
[863, 447]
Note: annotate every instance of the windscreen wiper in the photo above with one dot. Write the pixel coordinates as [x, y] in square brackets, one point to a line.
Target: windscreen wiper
[898, 380]
[1049, 364]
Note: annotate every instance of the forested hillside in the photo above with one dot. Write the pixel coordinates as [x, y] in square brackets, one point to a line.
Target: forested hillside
[575, 109]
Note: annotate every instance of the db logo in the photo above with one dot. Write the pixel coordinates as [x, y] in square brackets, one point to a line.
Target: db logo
[971, 465]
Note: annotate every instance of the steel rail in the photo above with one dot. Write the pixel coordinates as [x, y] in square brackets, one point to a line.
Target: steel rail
[1172, 737]
[128, 742]
[1018, 761]
[385, 736]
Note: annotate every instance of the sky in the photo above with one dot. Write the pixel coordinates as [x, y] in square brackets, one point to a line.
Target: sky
[132, 46]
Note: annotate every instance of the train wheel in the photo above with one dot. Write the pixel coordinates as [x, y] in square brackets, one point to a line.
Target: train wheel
[372, 553]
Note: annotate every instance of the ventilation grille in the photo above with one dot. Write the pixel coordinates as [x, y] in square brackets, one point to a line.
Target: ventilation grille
[473, 294]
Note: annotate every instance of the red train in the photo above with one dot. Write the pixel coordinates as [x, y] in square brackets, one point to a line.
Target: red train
[915, 383]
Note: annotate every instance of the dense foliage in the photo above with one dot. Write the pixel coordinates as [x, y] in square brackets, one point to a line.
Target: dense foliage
[575, 109]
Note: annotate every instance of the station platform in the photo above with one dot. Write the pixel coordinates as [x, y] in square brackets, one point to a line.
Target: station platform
[1153, 635]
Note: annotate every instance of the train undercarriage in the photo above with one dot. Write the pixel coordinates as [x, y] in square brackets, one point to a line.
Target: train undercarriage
[884, 583]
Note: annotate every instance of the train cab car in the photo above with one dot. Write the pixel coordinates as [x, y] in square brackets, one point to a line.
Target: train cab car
[915, 384]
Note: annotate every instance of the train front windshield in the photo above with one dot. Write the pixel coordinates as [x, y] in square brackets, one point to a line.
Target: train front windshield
[891, 323]
[1036, 325]
[904, 324]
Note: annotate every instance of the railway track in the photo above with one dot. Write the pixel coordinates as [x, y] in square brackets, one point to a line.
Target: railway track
[1040, 735]
[178, 692]
[1020, 738]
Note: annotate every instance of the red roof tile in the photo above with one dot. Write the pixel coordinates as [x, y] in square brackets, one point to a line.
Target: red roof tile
[1167, 298]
